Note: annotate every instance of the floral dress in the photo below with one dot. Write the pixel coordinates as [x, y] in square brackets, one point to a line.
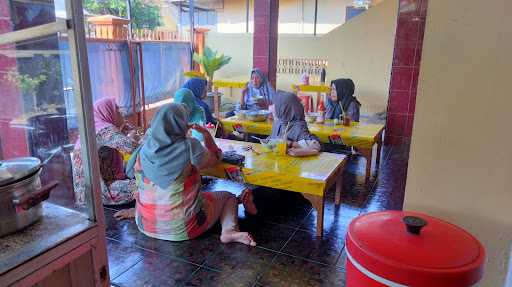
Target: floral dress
[118, 191]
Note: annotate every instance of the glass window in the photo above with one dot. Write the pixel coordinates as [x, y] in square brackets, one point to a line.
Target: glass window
[18, 14]
[41, 123]
[40, 120]
[212, 18]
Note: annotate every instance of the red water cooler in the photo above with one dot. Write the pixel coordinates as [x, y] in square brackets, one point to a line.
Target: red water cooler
[395, 248]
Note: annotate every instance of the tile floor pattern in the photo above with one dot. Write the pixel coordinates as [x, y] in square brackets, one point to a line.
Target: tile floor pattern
[288, 254]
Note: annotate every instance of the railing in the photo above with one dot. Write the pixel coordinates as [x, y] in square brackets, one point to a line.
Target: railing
[106, 31]
[296, 66]
[120, 32]
[158, 35]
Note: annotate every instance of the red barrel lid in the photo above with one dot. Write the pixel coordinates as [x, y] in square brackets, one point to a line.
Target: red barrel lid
[415, 249]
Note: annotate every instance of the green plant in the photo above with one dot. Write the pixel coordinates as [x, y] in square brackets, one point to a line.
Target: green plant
[210, 61]
[143, 13]
[25, 82]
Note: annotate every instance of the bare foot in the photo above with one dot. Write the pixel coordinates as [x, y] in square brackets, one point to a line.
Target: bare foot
[125, 214]
[237, 236]
[247, 200]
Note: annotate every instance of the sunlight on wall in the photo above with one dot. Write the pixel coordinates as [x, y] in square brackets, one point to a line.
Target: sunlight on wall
[460, 160]
[361, 49]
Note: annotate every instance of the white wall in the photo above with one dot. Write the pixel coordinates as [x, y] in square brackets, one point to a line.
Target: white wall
[232, 18]
[361, 49]
[295, 16]
[460, 166]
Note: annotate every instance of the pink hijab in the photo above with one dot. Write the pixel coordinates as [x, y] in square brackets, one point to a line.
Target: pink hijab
[105, 114]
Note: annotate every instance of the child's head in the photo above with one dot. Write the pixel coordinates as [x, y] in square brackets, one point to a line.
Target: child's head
[111, 164]
[290, 118]
[288, 107]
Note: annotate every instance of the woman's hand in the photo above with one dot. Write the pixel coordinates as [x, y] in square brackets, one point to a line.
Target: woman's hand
[204, 131]
[262, 103]
[300, 152]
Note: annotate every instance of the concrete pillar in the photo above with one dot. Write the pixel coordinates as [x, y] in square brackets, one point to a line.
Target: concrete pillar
[266, 15]
[405, 70]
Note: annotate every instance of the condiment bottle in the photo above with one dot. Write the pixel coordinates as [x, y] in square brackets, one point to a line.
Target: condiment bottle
[346, 120]
[321, 113]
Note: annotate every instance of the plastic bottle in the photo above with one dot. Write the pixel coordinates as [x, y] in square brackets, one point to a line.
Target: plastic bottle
[322, 76]
[321, 113]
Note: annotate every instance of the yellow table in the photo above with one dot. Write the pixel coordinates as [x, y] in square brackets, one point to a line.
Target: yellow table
[310, 176]
[362, 136]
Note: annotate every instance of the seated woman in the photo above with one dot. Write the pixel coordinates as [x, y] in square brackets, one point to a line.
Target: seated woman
[196, 113]
[341, 101]
[116, 188]
[170, 204]
[198, 88]
[258, 94]
[289, 120]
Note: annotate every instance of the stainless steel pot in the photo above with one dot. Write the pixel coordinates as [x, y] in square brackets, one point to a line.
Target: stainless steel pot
[21, 193]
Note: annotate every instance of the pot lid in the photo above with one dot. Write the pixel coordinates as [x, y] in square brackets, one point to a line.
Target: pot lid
[415, 245]
[12, 170]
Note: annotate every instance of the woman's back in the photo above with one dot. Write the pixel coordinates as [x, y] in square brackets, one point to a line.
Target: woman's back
[173, 213]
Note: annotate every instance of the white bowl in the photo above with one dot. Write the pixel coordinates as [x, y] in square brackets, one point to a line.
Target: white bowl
[257, 116]
[311, 117]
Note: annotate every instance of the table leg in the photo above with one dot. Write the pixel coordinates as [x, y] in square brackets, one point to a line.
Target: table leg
[367, 154]
[379, 150]
[339, 188]
[318, 204]
[216, 102]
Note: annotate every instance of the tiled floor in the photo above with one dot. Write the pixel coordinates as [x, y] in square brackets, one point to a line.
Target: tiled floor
[288, 254]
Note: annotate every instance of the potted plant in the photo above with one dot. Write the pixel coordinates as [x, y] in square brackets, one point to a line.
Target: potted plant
[210, 61]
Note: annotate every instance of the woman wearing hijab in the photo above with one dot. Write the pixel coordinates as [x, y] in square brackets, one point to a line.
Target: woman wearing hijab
[259, 93]
[116, 188]
[289, 113]
[198, 88]
[196, 113]
[341, 101]
[169, 204]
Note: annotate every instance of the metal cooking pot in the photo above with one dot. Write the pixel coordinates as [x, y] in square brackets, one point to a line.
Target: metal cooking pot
[21, 193]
